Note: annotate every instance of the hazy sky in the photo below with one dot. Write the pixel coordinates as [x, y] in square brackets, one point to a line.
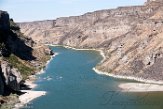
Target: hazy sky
[30, 10]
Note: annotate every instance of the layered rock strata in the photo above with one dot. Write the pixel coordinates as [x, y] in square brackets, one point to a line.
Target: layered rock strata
[130, 37]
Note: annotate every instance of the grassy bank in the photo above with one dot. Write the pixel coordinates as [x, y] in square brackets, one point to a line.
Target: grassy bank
[22, 66]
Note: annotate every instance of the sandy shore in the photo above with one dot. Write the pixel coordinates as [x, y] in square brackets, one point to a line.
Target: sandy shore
[140, 87]
[31, 94]
[28, 96]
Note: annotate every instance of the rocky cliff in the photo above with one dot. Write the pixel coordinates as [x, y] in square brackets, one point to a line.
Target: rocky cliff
[130, 37]
[19, 57]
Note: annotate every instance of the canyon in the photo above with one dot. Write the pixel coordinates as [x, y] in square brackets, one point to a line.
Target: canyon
[130, 38]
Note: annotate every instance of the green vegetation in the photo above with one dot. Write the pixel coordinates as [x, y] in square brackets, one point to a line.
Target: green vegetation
[24, 68]
[45, 58]
[8, 102]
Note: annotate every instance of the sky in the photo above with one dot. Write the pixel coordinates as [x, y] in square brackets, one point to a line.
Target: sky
[32, 10]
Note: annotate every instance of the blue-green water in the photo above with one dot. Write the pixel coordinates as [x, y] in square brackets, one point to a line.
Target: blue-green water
[71, 83]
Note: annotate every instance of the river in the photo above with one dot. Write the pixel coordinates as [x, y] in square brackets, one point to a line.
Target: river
[71, 83]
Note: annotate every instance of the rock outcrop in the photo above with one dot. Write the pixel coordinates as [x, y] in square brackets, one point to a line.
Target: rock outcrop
[4, 24]
[2, 82]
[130, 37]
[19, 56]
[11, 76]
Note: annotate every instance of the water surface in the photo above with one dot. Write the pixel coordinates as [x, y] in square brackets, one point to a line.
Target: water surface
[71, 83]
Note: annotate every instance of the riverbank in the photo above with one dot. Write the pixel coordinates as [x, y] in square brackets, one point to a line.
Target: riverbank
[30, 95]
[146, 86]
[129, 77]
[140, 87]
[146, 82]
[113, 75]
[80, 49]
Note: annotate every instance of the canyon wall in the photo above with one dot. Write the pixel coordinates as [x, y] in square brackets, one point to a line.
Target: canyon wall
[19, 56]
[130, 37]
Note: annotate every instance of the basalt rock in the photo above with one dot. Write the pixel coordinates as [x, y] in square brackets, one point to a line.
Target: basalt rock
[11, 76]
[4, 18]
[17, 53]
[2, 83]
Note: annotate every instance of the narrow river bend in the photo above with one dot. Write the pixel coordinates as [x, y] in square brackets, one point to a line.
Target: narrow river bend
[71, 83]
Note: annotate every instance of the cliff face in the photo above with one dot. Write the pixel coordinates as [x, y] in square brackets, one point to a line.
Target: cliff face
[19, 56]
[131, 37]
[12, 77]
[4, 24]
[2, 83]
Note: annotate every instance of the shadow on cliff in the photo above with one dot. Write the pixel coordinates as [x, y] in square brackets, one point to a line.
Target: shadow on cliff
[15, 44]
[2, 85]
[7, 90]
[20, 49]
